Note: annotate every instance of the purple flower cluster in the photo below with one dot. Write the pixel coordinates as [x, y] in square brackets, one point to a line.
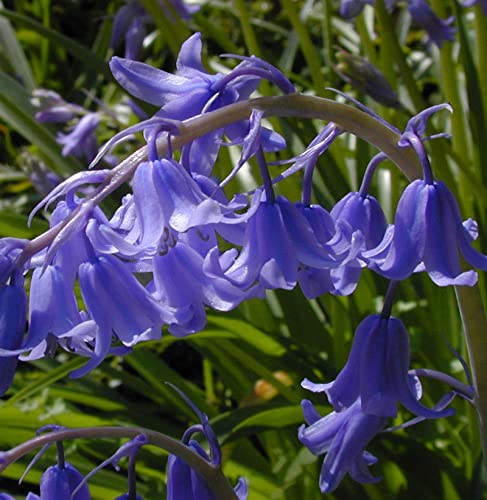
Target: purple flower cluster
[178, 245]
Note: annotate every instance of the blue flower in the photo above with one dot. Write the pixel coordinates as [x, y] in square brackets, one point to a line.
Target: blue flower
[192, 91]
[343, 436]
[53, 108]
[377, 372]
[352, 8]
[438, 29]
[81, 141]
[428, 230]
[13, 306]
[181, 285]
[119, 305]
[129, 23]
[61, 482]
[278, 240]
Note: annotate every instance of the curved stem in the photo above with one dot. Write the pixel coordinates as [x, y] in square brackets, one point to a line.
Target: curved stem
[216, 481]
[349, 119]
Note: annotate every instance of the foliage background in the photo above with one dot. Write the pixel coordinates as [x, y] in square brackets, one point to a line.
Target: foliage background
[244, 370]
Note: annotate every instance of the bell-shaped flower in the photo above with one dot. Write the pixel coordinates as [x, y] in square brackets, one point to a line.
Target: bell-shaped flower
[345, 246]
[278, 240]
[167, 197]
[363, 213]
[81, 141]
[352, 8]
[13, 308]
[343, 436]
[182, 480]
[129, 23]
[428, 230]
[192, 91]
[438, 30]
[181, 285]
[61, 482]
[53, 108]
[377, 372]
[119, 305]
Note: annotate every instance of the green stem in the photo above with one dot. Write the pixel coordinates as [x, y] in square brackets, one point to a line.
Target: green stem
[310, 53]
[481, 39]
[390, 39]
[474, 326]
[450, 84]
[213, 476]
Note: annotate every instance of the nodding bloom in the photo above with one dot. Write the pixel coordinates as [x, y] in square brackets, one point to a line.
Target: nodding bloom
[61, 482]
[13, 306]
[130, 23]
[131, 19]
[53, 108]
[192, 91]
[278, 239]
[377, 372]
[343, 436]
[81, 141]
[182, 480]
[428, 235]
[438, 30]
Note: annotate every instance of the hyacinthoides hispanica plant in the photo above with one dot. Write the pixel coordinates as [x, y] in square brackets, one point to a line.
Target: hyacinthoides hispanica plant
[170, 229]
[131, 269]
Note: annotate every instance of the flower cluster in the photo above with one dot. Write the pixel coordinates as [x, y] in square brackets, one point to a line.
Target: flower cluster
[178, 244]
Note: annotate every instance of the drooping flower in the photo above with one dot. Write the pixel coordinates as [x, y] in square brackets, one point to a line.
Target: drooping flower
[377, 372]
[13, 305]
[428, 230]
[53, 108]
[192, 91]
[81, 141]
[278, 238]
[61, 482]
[343, 436]
[130, 23]
[438, 30]
[182, 285]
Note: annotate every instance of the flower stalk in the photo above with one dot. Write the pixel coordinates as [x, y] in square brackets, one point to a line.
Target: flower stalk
[216, 481]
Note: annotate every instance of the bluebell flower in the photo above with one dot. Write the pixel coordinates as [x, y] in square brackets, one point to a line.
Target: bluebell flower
[129, 23]
[438, 30]
[167, 197]
[192, 91]
[81, 141]
[119, 305]
[343, 436]
[278, 239]
[340, 242]
[61, 482]
[182, 286]
[182, 480]
[13, 308]
[428, 230]
[53, 108]
[377, 372]
[6, 496]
